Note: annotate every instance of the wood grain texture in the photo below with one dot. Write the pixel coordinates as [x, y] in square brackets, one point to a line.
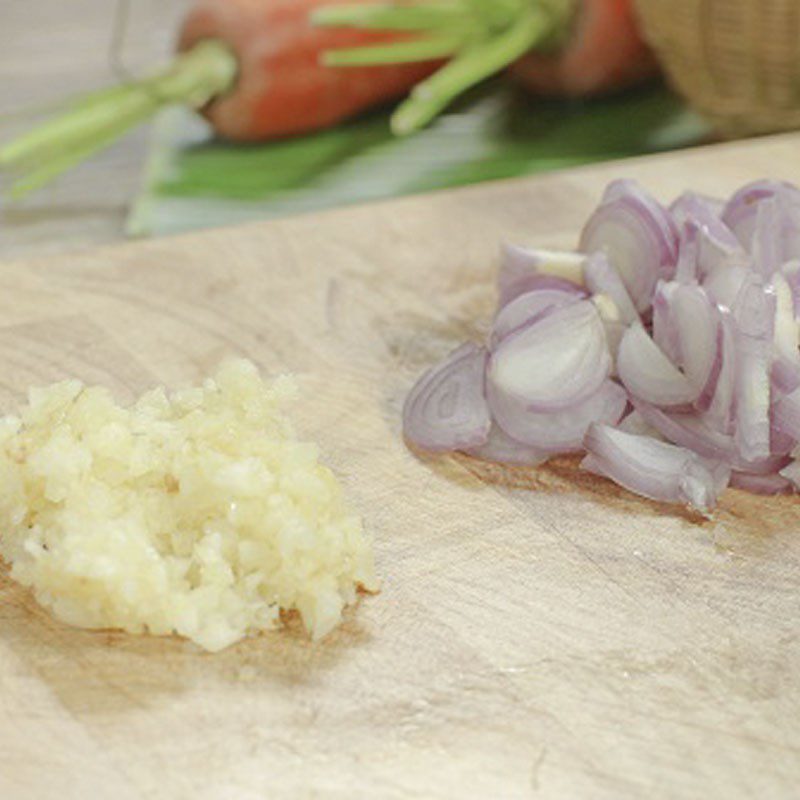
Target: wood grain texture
[558, 641]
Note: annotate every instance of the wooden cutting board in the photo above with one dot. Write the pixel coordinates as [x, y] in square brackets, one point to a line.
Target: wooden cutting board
[563, 640]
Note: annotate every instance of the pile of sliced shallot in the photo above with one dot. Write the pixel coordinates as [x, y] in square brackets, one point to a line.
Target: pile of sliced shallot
[665, 350]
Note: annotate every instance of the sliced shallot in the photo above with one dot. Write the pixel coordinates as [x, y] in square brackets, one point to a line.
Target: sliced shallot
[655, 469]
[792, 473]
[523, 270]
[665, 329]
[555, 362]
[707, 244]
[786, 367]
[635, 423]
[688, 430]
[719, 413]
[637, 235]
[786, 414]
[648, 374]
[693, 431]
[602, 278]
[561, 431]
[753, 394]
[761, 484]
[791, 271]
[781, 444]
[526, 309]
[754, 313]
[633, 191]
[614, 327]
[767, 244]
[687, 205]
[500, 447]
[724, 284]
[761, 466]
[715, 253]
[690, 316]
[784, 377]
[696, 320]
[688, 254]
[741, 211]
[446, 409]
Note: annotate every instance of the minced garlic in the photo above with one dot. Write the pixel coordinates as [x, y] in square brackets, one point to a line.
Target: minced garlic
[197, 513]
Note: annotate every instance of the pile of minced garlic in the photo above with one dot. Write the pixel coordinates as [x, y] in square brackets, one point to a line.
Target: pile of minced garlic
[197, 513]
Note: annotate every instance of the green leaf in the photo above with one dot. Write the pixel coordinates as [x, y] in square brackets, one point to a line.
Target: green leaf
[495, 132]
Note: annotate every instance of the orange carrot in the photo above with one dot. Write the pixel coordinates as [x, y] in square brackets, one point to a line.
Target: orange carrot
[262, 69]
[282, 88]
[605, 52]
[564, 47]
[253, 67]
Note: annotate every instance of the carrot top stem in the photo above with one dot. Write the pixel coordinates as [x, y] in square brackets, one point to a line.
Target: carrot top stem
[196, 76]
[481, 37]
[391, 16]
[475, 64]
[428, 48]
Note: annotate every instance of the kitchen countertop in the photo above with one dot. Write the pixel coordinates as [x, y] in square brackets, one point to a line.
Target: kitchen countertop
[50, 51]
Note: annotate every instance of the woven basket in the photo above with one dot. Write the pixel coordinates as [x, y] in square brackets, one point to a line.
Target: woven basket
[736, 61]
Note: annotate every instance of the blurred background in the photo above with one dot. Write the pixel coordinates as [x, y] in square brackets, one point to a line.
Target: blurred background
[49, 51]
[174, 173]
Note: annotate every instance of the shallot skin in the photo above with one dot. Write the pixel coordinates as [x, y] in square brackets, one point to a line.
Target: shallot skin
[447, 409]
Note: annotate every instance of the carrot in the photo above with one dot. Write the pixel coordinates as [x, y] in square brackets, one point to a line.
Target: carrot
[565, 47]
[262, 69]
[604, 53]
[252, 67]
[282, 88]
